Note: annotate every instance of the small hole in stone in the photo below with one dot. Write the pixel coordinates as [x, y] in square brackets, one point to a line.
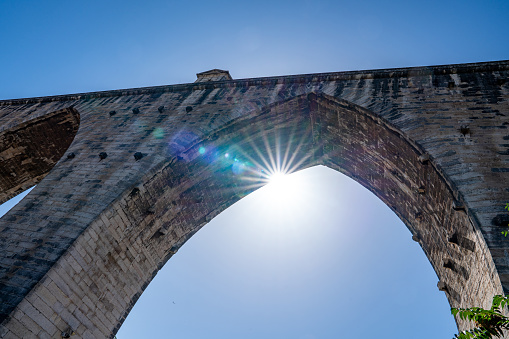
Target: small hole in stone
[103, 155]
[189, 109]
[453, 238]
[424, 158]
[448, 263]
[71, 156]
[138, 156]
[501, 220]
[157, 234]
[464, 130]
[160, 109]
[135, 191]
[458, 206]
[112, 113]
[419, 216]
[136, 110]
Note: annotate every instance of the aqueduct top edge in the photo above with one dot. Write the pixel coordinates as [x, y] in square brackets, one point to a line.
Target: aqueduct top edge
[476, 67]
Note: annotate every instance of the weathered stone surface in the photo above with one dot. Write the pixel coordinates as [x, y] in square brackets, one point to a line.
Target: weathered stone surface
[78, 251]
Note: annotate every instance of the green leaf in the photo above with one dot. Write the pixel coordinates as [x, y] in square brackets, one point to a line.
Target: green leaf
[491, 323]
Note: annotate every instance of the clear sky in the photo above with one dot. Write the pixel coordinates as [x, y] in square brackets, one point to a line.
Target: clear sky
[328, 259]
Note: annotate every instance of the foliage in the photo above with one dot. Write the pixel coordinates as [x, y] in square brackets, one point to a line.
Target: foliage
[490, 323]
[507, 208]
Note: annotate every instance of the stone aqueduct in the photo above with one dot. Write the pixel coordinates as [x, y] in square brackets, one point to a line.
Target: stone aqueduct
[125, 177]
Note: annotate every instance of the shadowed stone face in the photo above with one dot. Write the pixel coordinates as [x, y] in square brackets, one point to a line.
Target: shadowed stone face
[28, 151]
[147, 168]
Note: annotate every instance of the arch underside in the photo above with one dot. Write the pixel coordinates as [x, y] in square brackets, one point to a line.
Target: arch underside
[30, 150]
[150, 222]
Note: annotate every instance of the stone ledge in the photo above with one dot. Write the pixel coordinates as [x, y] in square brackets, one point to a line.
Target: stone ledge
[491, 66]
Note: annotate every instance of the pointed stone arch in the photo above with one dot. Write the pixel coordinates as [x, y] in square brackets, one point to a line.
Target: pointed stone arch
[90, 237]
[132, 238]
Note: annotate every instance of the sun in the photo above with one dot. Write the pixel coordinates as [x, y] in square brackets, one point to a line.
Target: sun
[282, 188]
[277, 178]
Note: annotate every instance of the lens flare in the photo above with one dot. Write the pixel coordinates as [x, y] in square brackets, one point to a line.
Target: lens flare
[238, 167]
[263, 158]
[158, 133]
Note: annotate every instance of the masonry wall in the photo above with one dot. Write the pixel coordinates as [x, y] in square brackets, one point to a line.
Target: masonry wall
[143, 174]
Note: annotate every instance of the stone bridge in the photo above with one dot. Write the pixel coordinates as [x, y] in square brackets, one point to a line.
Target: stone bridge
[125, 177]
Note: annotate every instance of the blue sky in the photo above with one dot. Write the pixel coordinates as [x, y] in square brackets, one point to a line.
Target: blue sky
[328, 260]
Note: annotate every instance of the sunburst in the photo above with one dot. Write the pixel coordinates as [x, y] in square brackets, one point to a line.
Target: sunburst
[273, 159]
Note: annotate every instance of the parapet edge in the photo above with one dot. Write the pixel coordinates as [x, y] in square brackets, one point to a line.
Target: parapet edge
[478, 67]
